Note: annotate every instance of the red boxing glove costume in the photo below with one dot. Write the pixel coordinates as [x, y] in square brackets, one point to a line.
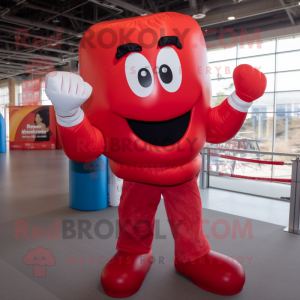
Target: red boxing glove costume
[149, 113]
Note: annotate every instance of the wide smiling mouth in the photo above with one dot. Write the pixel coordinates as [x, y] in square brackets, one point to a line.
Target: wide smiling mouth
[162, 133]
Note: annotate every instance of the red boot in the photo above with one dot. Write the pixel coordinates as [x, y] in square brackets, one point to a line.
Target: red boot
[215, 273]
[124, 273]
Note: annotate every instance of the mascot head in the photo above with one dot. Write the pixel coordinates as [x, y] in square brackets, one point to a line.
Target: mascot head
[151, 91]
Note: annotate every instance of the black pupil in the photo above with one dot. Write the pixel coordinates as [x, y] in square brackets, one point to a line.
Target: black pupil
[165, 73]
[144, 78]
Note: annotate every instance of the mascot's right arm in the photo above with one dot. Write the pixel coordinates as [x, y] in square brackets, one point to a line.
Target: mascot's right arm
[81, 141]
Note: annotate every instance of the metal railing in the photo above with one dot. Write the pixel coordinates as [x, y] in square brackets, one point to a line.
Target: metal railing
[294, 216]
[254, 151]
[205, 153]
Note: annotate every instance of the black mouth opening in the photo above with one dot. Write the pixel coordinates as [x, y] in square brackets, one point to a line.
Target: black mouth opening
[162, 133]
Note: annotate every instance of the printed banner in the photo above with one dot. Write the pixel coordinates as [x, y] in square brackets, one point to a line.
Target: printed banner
[32, 127]
[31, 92]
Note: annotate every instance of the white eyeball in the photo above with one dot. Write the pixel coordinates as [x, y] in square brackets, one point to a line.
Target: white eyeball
[139, 74]
[169, 69]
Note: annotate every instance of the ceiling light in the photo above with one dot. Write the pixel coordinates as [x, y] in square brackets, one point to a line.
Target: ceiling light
[143, 14]
[55, 20]
[231, 15]
[199, 16]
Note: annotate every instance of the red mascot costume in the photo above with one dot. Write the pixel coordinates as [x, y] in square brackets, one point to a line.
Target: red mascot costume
[143, 100]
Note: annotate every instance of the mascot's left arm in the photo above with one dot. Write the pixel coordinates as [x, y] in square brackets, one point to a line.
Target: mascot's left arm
[225, 120]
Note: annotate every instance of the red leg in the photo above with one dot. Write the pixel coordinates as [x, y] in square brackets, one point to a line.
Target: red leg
[137, 210]
[184, 210]
[126, 271]
[209, 270]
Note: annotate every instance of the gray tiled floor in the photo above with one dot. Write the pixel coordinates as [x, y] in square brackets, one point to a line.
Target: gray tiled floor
[33, 182]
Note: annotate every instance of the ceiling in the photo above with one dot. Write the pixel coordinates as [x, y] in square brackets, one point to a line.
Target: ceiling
[41, 18]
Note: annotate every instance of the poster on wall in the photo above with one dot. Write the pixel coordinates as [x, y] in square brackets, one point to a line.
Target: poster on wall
[31, 92]
[32, 127]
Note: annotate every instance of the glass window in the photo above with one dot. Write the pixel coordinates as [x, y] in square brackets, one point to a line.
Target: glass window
[47, 102]
[284, 91]
[253, 169]
[287, 133]
[258, 129]
[277, 110]
[288, 81]
[4, 95]
[264, 47]
[221, 87]
[264, 103]
[288, 61]
[270, 82]
[286, 108]
[280, 108]
[265, 64]
[221, 54]
[291, 98]
[261, 109]
[288, 43]
[283, 172]
[222, 69]
[217, 100]
[44, 98]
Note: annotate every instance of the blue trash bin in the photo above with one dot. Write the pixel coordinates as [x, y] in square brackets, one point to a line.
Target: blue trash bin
[2, 135]
[88, 184]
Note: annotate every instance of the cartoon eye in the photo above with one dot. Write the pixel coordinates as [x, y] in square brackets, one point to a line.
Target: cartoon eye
[35, 258]
[43, 258]
[144, 78]
[139, 74]
[165, 74]
[169, 69]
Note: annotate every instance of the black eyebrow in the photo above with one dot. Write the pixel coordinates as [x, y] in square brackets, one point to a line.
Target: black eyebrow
[127, 48]
[170, 40]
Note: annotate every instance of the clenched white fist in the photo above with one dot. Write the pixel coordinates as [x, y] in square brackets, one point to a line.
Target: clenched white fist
[67, 92]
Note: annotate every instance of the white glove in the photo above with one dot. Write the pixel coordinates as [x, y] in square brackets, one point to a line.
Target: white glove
[67, 92]
[238, 104]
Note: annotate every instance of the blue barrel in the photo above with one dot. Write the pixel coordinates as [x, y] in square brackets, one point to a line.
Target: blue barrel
[88, 184]
[2, 135]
